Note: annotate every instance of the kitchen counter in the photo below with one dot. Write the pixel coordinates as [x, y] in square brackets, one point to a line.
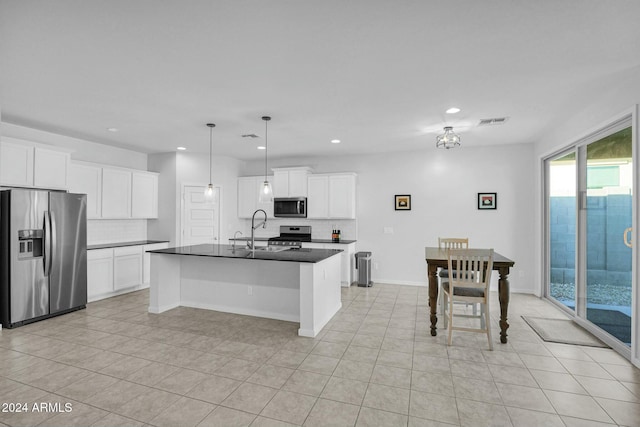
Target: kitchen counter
[122, 244]
[266, 239]
[228, 251]
[303, 286]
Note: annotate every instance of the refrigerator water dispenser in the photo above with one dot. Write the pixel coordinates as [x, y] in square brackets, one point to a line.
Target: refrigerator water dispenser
[30, 243]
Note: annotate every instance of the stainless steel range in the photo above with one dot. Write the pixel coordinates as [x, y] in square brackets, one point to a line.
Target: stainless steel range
[292, 236]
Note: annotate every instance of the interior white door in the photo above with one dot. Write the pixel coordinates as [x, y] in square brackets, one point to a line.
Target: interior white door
[200, 217]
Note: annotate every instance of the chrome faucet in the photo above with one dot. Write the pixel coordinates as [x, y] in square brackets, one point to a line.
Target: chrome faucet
[235, 236]
[252, 246]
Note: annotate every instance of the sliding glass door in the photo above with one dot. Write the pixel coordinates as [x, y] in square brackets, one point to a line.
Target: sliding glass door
[589, 201]
[608, 216]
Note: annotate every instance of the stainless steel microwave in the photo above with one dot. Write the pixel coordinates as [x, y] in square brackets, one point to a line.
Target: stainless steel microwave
[290, 207]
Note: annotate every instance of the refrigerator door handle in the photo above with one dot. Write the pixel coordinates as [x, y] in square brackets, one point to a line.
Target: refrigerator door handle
[48, 247]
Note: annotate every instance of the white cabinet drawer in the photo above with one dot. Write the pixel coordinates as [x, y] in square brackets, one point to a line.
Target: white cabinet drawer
[99, 254]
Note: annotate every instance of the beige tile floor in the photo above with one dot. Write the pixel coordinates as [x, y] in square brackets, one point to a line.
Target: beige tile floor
[374, 364]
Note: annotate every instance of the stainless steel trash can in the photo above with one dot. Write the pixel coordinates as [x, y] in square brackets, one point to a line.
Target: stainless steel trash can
[363, 264]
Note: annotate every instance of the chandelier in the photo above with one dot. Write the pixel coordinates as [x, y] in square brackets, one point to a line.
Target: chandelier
[449, 139]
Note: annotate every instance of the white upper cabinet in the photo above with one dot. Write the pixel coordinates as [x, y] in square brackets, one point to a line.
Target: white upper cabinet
[27, 164]
[342, 196]
[116, 193]
[290, 182]
[87, 179]
[332, 196]
[249, 188]
[144, 195]
[318, 196]
[50, 169]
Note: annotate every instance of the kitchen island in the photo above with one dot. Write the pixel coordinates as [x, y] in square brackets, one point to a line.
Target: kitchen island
[298, 285]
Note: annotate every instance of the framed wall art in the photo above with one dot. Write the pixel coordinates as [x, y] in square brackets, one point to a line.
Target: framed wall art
[403, 202]
[487, 200]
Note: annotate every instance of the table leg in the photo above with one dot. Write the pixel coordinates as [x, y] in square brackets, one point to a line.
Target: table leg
[503, 295]
[432, 271]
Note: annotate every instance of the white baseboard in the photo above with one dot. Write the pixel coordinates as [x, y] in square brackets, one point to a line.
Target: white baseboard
[246, 312]
[99, 297]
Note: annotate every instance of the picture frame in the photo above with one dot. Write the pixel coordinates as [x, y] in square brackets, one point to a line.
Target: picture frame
[403, 202]
[487, 201]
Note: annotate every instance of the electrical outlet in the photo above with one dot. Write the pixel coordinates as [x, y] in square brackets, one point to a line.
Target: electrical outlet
[249, 290]
[521, 273]
[375, 265]
[388, 230]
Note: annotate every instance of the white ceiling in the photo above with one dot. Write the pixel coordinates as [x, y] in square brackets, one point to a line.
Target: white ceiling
[376, 74]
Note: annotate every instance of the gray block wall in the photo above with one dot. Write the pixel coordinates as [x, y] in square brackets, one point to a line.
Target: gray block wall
[608, 259]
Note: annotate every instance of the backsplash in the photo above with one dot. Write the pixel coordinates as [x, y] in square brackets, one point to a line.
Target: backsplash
[101, 231]
[320, 229]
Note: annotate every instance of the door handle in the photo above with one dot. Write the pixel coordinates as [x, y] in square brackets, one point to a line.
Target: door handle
[47, 243]
[626, 235]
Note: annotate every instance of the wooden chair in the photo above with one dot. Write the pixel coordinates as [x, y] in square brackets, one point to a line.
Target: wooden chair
[468, 282]
[445, 243]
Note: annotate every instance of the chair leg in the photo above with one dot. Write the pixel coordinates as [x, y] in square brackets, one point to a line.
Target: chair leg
[443, 309]
[487, 320]
[450, 320]
[483, 320]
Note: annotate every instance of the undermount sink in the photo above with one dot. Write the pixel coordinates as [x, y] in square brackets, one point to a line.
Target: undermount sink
[271, 248]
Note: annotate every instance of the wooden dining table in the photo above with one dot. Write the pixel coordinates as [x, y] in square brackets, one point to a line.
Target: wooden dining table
[437, 257]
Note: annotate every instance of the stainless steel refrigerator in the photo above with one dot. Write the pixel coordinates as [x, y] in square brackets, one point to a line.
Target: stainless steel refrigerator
[43, 255]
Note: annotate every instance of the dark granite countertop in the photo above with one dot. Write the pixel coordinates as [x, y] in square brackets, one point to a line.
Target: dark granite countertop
[121, 244]
[227, 251]
[266, 239]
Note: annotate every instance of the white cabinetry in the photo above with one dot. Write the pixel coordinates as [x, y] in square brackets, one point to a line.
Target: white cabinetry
[144, 195]
[116, 193]
[127, 267]
[290, 182]
[347, 260]
[119, 270]
[27, 164]
[146, 260]
[99, 273]
[87, 179]
[50, 168]
[249, 188]
[332, 196]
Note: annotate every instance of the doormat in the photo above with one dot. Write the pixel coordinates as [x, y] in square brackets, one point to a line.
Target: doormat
[564, 331]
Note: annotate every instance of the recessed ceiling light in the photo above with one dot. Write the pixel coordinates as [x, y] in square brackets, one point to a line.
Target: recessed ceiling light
[112, 129]
[261, 147]
[335, 141]
[181, 148]
[453, 110]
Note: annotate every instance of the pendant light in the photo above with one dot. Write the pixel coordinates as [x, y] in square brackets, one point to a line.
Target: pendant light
[266, 193]
[449, 139]
[209, 191]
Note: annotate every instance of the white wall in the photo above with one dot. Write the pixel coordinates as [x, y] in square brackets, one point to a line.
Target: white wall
[444, 187]
[164, 228]
[184, 168]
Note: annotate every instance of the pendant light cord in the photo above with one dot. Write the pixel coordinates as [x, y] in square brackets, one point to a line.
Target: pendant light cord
[210, 150]
[266, 148]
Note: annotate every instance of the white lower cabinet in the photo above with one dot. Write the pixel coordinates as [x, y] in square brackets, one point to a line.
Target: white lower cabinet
[99, 273]
[127, 267]
[347, 261]
[119, 270]
[146, 260]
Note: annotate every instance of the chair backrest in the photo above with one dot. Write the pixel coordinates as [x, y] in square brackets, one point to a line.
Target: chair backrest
[453, 243]
[470, 268]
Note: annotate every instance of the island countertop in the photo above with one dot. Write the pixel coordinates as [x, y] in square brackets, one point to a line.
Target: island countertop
[227, 251]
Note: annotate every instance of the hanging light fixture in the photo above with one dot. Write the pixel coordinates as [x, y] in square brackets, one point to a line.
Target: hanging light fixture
[209, 191]
[449, 139]
[266, 193]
